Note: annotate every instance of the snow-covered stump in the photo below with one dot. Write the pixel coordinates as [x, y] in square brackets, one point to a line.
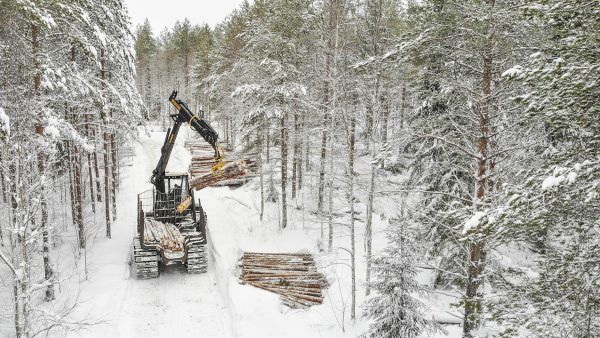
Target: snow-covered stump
[293, 276]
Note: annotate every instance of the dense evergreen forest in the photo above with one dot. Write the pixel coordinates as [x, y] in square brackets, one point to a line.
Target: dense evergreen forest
[487, 110]
[67, 101]
[466, 131]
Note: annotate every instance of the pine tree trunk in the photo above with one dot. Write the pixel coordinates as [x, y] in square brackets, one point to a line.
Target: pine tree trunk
[300, 147]
[330, 214]
[22, 254]
[332, 21]
[106, 145]
[369, 122]
[96, 166]
[78, 198]
[114, 174]
[107, 179]
[261, 174]
[370, 200]
[370, 196]
[186, 70]
[384, 127]
[4, 192]
[351, 151]
[369, 226]
[41, 158]
[268, 132]
[226, 130]
[323, 141]
[17, 307]
[295, 155]
[476, 258]
[307, 165]
[90, 165]
[232, 129]
[148, 91]
[403, 108]
[3, 182]
[13, 244]
[71, 171]
[48, 271]
[24, 283]
[284, 160]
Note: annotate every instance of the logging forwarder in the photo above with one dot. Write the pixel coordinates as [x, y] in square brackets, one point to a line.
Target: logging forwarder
[171, 225]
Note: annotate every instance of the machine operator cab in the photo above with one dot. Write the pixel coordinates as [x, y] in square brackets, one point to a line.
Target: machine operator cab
[177, 204]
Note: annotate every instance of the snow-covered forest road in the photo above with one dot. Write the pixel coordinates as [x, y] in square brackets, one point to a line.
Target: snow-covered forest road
[207, 305]
[175, 304]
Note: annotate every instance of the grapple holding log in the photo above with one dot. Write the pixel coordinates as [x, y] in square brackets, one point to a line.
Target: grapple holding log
[202, 165]
[233, 170]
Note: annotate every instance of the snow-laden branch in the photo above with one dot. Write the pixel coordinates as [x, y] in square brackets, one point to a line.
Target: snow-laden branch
[9, 264]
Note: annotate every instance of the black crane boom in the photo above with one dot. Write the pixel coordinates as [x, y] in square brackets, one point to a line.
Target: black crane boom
[184, 115]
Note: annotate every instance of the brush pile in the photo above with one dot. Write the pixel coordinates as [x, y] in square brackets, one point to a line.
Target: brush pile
[293, 276]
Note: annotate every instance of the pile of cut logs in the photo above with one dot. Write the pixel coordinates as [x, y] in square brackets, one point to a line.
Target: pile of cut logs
[233, 170]
[203, 160]
[293, 276]
[165, 234]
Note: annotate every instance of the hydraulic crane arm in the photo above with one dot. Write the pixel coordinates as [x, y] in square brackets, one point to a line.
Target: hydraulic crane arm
[184, 115]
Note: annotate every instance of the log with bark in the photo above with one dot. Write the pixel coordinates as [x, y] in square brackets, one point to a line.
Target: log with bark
[292, 276]
[232, 170]
[203, 160]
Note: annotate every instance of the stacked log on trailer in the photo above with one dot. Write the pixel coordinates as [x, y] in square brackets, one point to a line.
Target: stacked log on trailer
[203, 160]
[165, 234]
[292, 276]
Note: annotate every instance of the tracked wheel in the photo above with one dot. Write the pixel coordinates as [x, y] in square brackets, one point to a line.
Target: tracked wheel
[145, 261]
[197, 261]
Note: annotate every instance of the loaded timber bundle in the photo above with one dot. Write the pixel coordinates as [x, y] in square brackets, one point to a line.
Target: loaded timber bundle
[233, 170]
[203, 160]
[165, 234]
[293, 276]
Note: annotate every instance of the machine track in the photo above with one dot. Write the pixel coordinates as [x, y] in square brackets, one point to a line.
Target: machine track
[145, 261]
[197, 261]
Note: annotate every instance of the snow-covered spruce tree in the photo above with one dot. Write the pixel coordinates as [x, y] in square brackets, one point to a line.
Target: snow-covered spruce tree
[119, 102]
[48, 100]
[145, 51]
[227, 73]
[275, 37]
[393, 309]
[36, 106]
[556, 206]
[464, 132]
[376, 39]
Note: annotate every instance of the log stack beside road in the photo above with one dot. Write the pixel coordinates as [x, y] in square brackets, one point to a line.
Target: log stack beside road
[293, 276]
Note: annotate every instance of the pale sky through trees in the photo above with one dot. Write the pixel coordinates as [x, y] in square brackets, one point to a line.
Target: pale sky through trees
[165, 13]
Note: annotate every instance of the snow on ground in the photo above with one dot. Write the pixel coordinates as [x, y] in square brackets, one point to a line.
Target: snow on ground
[215, 304]
[175, 304]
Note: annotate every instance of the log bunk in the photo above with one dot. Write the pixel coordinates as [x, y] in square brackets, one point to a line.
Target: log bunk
[203, 159]
[292, 276]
